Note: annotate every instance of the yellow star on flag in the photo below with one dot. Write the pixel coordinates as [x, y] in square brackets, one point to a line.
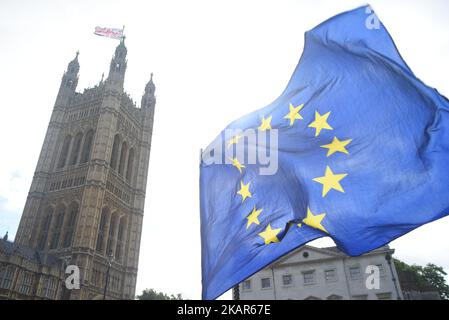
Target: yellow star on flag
[234, 140]
[330, 181]
[244, 191]
[253, 217]
[314, 221]
[237, 164]
[266, 124]
[270, 235]
[294, 114]
[320, 123]
[337, 146]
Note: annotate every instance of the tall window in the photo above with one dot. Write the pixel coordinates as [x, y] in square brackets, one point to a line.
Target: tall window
[25, 285]
[355, 273]
[102, 229]
[287, 280]
[76, 149]
[129, 169]
[70, 225]
[48, 288]
[246, 285]
[330, 275]
[57, 228]
[45, 227]
[309, 277]
[94, 279]
[87, 146]
[120, 237]
[123, 154]
[114, 153]
[64, 151]
[266, 283]
[112, 227]
[6, 276]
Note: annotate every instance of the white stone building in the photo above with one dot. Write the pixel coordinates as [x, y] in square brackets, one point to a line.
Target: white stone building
[324, 273]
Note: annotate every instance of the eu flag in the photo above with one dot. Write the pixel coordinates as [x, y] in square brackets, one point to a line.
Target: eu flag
[356, 148]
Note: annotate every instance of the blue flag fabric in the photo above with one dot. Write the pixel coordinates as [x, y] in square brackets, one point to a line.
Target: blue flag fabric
[362, 157]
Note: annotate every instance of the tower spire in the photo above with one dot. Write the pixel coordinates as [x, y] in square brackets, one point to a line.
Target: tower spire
[148, 98]
[117, 68]
[69, 79]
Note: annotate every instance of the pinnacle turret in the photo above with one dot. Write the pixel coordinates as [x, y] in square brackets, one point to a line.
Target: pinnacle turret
[148, 98]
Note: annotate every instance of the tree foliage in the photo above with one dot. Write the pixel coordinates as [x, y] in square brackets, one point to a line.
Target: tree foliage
[430, 275]
[151, 294]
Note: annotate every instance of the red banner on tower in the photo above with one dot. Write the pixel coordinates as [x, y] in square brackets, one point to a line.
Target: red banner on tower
[109, 32]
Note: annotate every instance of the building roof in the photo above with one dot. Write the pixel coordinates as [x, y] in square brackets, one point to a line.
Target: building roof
[328, 252]
[30, 254]
[336, 250]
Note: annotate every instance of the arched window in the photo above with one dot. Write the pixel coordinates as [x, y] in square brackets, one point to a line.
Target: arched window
[76, 149]
[120, 238]
[111, 234]
[123, 155]
[114, 153]
[57, 227]
[87, 146]
[45, 226]
[102, 229]
[129, 170]
[70, 225]
[64, 151]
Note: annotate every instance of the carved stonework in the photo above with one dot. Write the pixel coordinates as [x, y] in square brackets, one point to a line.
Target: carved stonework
[81, 201]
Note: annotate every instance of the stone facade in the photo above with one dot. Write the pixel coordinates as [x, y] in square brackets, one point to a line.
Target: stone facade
[26, 273]
[310, 273]
[86, 201]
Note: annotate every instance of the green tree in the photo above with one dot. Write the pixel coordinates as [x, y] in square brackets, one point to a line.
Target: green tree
[435, 276]
[151, 294]
[430, 275]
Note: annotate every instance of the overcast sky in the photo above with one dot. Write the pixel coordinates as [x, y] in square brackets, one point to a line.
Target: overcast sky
[213, 61]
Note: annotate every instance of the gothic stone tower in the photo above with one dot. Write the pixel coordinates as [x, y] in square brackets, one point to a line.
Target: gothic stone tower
[86, 200]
